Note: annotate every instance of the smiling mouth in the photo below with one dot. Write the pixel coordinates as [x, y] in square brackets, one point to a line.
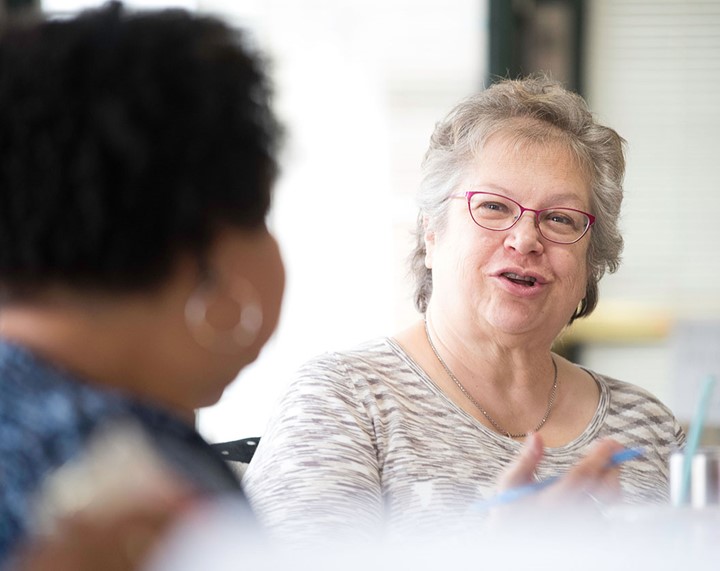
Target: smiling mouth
[527, 281]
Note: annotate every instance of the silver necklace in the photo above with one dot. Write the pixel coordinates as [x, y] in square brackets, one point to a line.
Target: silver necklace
[491, 420]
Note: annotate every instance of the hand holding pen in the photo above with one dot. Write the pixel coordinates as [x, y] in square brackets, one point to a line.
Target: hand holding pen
[595, 476]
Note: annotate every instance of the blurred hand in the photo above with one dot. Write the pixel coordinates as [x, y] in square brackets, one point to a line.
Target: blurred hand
[590, 481]
[113, 540]
[107, 509]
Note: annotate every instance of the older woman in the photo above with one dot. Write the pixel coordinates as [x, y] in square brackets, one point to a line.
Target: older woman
[137, 275]
[518, 222]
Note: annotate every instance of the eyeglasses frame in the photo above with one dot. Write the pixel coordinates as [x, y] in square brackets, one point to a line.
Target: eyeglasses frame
[470, 193]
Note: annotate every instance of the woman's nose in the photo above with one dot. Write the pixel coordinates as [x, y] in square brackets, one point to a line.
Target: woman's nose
[524, 236]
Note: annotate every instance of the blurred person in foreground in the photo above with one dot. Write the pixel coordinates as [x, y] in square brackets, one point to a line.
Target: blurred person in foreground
[137, 274]
[519, 209]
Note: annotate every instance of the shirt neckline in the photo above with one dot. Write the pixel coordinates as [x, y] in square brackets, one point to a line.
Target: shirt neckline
[584, 438]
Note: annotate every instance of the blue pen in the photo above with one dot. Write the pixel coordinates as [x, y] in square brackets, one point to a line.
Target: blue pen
[514, 494]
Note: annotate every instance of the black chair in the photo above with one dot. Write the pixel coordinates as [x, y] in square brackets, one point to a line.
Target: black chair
[237, 453]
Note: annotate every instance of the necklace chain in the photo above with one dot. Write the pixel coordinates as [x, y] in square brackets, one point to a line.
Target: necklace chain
[491, 420]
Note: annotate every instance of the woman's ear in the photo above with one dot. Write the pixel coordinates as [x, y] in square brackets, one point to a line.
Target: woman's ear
[429, 239]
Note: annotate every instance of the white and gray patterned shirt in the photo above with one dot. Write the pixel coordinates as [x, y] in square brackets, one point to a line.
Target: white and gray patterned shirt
[364, 440]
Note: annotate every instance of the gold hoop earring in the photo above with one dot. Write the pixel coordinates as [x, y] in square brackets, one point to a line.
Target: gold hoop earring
[231, 340]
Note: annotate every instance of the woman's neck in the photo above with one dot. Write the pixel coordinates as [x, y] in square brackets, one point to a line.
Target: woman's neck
[105, 343]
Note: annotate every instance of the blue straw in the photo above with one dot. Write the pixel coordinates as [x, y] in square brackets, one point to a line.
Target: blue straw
[696, 428]
[514, 494]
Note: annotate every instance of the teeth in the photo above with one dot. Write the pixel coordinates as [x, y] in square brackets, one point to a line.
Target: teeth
[512, 276]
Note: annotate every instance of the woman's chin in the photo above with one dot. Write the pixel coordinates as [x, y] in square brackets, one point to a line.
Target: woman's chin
[211, 397]
[514, 322]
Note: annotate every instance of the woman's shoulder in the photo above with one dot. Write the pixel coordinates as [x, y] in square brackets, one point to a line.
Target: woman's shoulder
[630, 405]
[369, 370]
[626, 394]
[374, 356]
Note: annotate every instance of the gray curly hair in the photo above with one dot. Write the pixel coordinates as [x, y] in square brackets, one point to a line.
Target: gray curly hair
[537, 109]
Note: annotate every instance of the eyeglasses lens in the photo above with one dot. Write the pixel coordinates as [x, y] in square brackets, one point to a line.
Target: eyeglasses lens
[496, 212]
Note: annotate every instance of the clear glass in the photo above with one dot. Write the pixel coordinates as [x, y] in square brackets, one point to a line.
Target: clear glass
[497, 212]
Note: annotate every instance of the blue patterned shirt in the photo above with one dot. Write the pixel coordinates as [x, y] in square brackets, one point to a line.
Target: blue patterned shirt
[47, 417]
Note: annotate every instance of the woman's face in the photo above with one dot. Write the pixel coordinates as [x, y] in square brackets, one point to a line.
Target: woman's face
[472, 268]
[267, 276]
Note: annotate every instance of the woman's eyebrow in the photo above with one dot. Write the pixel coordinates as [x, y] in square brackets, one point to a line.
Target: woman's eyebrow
[556, 199]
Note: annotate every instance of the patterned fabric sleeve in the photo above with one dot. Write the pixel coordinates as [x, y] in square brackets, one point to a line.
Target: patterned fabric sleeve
[290, 479]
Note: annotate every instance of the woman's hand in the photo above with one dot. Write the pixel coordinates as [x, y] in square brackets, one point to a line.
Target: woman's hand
[107, 509]
[119, 540]
[593, 480]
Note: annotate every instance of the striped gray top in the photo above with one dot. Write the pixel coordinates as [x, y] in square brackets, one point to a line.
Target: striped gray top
[364, 440]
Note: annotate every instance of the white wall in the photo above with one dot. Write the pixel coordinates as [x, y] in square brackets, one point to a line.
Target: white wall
[360, 86]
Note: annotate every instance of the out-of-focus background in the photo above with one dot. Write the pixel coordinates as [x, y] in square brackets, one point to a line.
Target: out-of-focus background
[360, 85]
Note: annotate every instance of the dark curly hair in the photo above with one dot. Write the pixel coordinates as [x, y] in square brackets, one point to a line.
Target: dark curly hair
[126, 139]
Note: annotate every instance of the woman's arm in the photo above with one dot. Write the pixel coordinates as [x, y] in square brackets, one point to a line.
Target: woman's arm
[316, 472]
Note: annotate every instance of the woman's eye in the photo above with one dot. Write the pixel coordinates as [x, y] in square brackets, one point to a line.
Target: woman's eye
[560, 218]
[494, 206]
